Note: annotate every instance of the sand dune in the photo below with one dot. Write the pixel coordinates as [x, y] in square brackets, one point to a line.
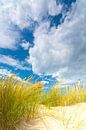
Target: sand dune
[58, 118]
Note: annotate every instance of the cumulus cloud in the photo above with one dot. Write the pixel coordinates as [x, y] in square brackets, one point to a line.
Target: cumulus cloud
[62, 47]
[47, 47]
[9, 36]
[22, 14]
[57, 51]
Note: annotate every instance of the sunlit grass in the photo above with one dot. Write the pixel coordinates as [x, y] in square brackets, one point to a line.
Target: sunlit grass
[59, 97]
[18, 101]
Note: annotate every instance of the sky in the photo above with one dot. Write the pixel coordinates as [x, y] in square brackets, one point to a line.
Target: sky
[44, 39]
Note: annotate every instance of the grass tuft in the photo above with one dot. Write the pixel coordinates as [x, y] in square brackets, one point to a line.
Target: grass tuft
[18, 101]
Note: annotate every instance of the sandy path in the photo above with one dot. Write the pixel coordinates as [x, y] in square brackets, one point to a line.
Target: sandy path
[59, 118]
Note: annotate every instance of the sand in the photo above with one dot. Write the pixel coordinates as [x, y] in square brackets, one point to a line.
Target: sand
[58, 118]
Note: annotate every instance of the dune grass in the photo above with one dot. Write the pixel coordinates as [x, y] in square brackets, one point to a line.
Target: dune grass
[18, 102]
[59, 97]
[21, 100]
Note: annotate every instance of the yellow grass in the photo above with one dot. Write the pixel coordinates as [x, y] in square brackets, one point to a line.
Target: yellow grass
[57, 97]
[21, 100]
[18, 101]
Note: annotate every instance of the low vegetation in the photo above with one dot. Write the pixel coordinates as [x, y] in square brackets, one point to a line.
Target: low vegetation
[66, 96]
[19, 100]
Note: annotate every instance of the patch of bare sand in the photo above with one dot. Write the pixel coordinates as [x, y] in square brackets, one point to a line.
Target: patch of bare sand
[44, 123]
[72, 117]
[58, 118]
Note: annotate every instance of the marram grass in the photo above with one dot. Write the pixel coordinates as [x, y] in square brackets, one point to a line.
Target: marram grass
[17, 102]
[59, 97]
[21, 101]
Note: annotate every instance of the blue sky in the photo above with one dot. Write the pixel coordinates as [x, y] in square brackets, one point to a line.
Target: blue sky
[45, 39]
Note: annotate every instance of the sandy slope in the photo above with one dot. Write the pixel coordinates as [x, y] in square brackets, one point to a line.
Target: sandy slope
[59, 118]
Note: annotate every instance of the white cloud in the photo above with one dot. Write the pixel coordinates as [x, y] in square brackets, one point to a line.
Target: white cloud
[62, 47]
[5, 72]
[59, 74]
[9, 36]
[55, 48]
[9, 60]
[25, 45]
[48, 56]
[12, 62]
[53, 9]
[49, 53]
[22, 13]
